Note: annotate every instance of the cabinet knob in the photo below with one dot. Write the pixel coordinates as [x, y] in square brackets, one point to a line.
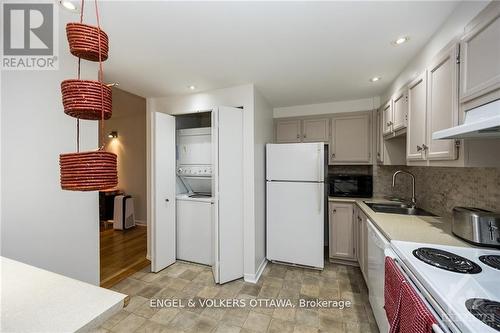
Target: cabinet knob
[305, 136]
[334, 211]
[298, 136]
[333, 155]
[167, 200]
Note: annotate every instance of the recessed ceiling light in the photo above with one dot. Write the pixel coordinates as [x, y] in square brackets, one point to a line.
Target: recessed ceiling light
[400, 40]
[192, 87]
[68, 5]
[375, 79]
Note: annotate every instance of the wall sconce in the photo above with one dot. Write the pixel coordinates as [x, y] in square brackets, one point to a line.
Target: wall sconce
[113, 135]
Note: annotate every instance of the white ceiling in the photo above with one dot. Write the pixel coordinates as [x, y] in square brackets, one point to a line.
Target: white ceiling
[295, 52]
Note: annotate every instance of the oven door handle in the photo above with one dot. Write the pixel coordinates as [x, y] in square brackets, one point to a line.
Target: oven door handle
[437, 329]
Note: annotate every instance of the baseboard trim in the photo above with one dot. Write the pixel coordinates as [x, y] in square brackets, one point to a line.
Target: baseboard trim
[141, 222]
[254, 278]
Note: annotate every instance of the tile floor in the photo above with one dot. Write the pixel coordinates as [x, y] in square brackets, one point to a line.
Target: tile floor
[188, 281]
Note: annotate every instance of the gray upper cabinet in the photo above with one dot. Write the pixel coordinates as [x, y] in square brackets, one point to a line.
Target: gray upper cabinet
[288, 131]
[417, 111]
[442, 103]
[480, 59]
[432, 106]
[351, 139]
[387, 118]
[379, 137]
[315, 130]
[400, 110]
[302, 130]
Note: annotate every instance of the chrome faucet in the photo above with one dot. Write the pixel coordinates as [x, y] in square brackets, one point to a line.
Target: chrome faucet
[413, 199]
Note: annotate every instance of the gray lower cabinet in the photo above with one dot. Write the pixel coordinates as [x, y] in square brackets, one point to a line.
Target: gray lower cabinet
[342, 236]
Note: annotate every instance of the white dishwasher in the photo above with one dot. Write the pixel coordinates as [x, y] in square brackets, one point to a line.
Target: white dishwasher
[377, 244]
[194, 229]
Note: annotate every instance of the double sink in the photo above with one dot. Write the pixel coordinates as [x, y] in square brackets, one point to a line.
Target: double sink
[397, 208]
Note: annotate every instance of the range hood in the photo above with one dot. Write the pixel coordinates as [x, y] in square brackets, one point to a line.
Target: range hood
[481, 122]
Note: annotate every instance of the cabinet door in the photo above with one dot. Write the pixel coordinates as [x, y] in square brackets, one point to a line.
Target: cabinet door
[362, 241]
[341, 231]
[417, 109]
[387, 118]
[287, 131]
[351, 141]
[400, 110]
[442, 103]
[379, 137]
[480, 57]
[315, 130]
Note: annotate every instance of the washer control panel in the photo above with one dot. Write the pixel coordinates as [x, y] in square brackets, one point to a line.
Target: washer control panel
[195, 171]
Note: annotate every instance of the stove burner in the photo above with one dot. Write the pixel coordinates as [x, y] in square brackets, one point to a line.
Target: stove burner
[491, 260]
[446, 260]
[485, 310]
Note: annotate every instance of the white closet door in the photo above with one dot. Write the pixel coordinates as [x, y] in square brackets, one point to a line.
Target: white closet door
[162, 179]
[229, 193]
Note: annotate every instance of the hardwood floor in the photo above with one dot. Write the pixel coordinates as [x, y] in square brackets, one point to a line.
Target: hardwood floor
[122, 253]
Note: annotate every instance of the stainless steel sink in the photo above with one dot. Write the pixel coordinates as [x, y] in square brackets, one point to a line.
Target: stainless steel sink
[397, 208]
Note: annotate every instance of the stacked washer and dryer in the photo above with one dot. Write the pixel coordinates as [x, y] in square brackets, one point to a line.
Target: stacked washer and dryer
[194, 195]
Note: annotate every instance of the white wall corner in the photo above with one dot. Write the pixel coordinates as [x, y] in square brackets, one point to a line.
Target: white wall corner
[254, 278]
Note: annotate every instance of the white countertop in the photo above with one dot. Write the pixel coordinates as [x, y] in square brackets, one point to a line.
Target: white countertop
[36, 300]
[420, 229]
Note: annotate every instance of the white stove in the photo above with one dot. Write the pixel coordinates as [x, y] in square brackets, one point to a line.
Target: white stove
[454, 291]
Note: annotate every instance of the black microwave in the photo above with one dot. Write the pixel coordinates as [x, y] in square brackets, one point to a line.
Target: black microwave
[342, 185]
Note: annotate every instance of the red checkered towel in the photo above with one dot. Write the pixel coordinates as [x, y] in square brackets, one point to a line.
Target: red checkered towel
[393, 282]
[415, 317]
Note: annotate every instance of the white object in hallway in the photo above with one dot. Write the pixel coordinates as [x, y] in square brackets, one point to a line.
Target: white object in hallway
[123, 212]
[36, 300]
[295, 176]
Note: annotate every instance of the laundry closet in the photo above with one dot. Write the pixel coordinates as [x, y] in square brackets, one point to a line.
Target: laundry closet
[196, 187]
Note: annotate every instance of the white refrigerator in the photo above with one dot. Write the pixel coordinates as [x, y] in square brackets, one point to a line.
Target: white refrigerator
[295, 203]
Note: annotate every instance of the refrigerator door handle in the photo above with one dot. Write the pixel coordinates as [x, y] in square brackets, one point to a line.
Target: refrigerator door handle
[320, 165]
[320, 195]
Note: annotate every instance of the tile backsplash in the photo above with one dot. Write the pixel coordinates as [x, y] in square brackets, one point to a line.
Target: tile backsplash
[439, 189]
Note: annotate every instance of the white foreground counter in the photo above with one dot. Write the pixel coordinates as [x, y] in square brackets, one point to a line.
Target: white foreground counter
[36, 300]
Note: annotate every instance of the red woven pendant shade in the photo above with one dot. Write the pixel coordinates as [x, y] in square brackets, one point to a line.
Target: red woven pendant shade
[88, 171]
[91, 100]
[85, 42]
[82, 99]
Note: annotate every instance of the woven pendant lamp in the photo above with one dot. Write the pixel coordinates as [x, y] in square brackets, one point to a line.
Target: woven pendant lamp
[91, 100]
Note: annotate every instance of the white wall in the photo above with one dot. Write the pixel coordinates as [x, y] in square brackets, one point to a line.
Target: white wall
[236, 97]
[43, 225]
[263, 134]
[451, 28]
[326, 108]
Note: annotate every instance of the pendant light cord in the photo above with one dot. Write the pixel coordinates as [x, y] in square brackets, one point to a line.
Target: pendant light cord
[78, 75]
[100, 76]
